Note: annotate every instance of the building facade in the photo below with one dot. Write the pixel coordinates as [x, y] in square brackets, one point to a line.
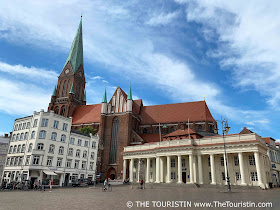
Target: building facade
[4, 145]
[44, 147]
[200, 161]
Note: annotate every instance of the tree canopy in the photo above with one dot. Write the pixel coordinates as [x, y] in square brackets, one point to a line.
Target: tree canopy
[87, 130]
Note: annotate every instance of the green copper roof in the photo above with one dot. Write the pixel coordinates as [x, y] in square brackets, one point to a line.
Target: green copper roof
[129, 97]
[85, 96]
[54, 91]
[104, 97]
[72, 89]
[75, 55]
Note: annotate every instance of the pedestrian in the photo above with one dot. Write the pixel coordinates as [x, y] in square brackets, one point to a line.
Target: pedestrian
[51, 184]
[39, 185]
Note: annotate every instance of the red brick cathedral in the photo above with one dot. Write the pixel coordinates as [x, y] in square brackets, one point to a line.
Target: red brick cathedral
[122, 121]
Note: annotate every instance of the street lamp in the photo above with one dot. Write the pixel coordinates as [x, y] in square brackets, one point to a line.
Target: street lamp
[225, 129]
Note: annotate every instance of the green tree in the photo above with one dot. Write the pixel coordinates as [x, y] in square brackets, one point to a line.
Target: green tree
[87, 130]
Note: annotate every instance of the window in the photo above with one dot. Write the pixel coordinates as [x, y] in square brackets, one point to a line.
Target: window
[42, 134]
[59, 162]
[12, 161]
[23, 126]
[91, 166]
[236, 161]
[27, 160]
[36, 159]
[56, 110]
[78, 153]
[86, 143]
[55, 124]
[20, 161]
[83, 165]
[145, 130]
[151, 164]
[21, 136]
[238, 176]
[49, 161]
[70, 152]
[19, 127]
[53, 136]
[79, 142]
[40, 146]
[183, 163]
[35, 123]
[23, 148]
[18, 137]
[15, 149]
[72, 140]
[16, 161]
[93, 145]
[76, 164]
[209, 162]
[63, 138]
[254, 176]
[252, 160]
[30, 147]
[173, 175]
[16, 127]
[210, 176]
[33, 135]
[199, 128]
[51, 148]
[64, 128]
[28, 125]
[61, 150]
[19, 149]
[26, 136]
[8, 162]
[172, 163]
[222, 161]
[114, 141]
[68, 163]
[11, 149]
[44, 122]
[92, 155]
[223, 176]
[14, 137]
[85, 154]
[151, 175]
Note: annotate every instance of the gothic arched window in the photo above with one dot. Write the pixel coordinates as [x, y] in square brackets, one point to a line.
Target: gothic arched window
[114, 141]
[56, 110]
[64, 88]
[145, 130]
[63, 110]
[199, 128]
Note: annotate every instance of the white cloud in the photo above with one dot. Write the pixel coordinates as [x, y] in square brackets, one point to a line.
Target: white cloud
[162, 18]
[97, 77]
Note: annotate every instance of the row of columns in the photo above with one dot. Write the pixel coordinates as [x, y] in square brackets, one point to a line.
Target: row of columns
[192, 167]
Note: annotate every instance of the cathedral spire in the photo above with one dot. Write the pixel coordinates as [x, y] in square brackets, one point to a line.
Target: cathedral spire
[129, 97]
[104, 97]
[75, 56]
[54, 91]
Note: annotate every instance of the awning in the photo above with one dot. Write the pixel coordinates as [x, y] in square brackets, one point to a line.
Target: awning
[49, 173]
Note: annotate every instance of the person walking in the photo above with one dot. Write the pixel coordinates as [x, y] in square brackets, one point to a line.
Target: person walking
[51, 184]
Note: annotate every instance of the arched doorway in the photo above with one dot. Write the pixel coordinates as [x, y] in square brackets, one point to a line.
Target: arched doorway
[111, 173]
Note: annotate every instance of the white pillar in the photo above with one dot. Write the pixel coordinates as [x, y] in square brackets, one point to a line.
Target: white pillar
[194, 169]
[242, 169]
[179, 169]
[200, 177]
[131, 170]
[191, 168]
[157, 170]
[168, 169]
[124, 169]
[212, 163]
[161, 169]
[259, 169]
[148, 170]
[225, 166]
[138, 170]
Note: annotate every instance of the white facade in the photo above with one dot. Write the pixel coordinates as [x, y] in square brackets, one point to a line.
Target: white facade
[4, 144]
[44, 147]
[274, 155]
[200, 161]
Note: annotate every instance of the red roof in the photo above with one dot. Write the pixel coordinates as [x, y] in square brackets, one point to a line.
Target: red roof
[180, 132]
[87, 114]
[150, 137]
[267, 139]
[180, 112]
[277, 143]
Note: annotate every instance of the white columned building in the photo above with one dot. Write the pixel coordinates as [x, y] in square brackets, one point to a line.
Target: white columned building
[202, 161]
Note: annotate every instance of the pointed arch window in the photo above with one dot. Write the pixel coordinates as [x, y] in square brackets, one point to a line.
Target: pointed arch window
[64, 88]
[56, 110]
[114, 141]
[63, 110]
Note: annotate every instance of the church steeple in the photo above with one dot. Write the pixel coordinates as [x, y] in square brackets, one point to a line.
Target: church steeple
[75, 56]
[70, 91]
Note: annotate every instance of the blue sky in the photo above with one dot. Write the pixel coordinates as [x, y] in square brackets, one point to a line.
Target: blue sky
[170, 52]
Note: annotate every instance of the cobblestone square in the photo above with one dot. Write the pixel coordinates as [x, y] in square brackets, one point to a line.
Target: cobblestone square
[94, 198]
